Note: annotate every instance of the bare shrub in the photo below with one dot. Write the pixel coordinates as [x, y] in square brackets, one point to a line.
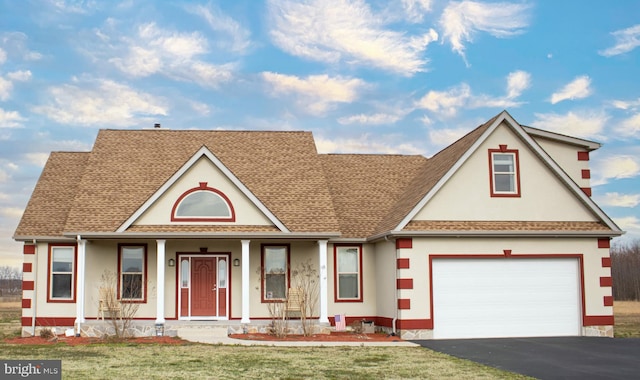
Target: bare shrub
[305, 277]
[120, 314]
[46, 333]
[625, 270]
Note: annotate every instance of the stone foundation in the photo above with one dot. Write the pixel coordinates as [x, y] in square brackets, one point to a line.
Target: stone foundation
[606, 331]
[416, 334]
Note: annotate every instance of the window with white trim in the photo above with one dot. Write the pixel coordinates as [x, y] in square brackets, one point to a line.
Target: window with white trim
[505, 178]
[62, 271]
[132, 272]
[203, 204]
[348, 276]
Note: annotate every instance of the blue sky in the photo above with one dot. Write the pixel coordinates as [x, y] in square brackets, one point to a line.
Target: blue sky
[376, 76]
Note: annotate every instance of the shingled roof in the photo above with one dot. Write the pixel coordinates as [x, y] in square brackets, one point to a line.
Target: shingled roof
[353, 195]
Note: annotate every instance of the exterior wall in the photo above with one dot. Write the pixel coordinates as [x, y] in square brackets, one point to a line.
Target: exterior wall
[567, 157]
[543, 196]
[385, 281]
[595, 287]
[203, 171]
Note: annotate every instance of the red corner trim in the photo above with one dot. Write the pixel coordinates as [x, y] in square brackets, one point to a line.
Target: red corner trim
[404, 303]
[606, 281]
[583, 156]
[403, 264]
[407, 324]
[586, 173]
[604, 243]
[606, 262]
[587, 190]
[404, 243]
[29, 249]
[598, 320]
[405, 283]
[607, 300]
[27, 267]
[27, 285]
[26, 303]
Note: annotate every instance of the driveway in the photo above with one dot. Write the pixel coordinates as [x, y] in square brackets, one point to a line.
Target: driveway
[550, 358]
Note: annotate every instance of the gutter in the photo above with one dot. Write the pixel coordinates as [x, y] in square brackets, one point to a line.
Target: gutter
[204, 235]
[494, 233]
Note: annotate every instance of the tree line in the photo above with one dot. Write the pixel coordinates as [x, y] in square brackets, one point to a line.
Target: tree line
[625, 270]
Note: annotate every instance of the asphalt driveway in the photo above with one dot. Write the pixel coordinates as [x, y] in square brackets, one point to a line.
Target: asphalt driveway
[550, 358]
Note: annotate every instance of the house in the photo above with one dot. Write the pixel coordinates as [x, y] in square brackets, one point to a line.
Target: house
[494, 236]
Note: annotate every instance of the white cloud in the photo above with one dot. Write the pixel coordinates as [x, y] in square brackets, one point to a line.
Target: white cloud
[626, 40]
[626, 104]
[11, 212]
[415, 9]
[517, 82]
[3, 56]
[615, 167]
[100, 102]
[237, 38]
[461, 20]
[20, 76]
[5, 88]
[74, 6]
[345, 31]
[630, 126]
[631, 225]
[620, 200]
[38, 159]
[365, 144]
[372, 119]
[169, 53]
[585, 125]
[446, 103]
[10, 119]
[446, 136]
[315, 94]
[576, 89]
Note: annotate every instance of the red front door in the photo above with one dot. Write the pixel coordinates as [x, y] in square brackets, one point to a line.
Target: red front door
[204, 286]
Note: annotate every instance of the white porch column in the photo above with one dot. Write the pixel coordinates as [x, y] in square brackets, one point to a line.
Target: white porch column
[245, 282]
[80, 284]
[160, 281]
[322, 255]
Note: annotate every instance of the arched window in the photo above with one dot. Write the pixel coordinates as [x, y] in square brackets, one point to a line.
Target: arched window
[203, 203]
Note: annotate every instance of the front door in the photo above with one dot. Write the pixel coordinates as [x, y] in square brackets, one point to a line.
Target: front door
[203, 287]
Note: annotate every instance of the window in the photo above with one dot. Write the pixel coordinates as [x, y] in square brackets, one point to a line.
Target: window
[275, 272]
[62, 265]
[505, 177]
[348, 272]
[132, 272]
[203, 203]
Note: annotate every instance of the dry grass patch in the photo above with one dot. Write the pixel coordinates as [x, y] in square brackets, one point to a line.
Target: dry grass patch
[196, 361]
[627, 317]
[10, 313]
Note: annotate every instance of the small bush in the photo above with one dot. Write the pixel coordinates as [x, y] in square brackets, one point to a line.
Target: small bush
[46, 333]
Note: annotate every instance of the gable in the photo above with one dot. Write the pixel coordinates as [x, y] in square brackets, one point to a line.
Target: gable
[203, 171]
[467, 194]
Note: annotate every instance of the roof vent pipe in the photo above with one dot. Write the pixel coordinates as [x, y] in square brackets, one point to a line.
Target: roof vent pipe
[156, 125]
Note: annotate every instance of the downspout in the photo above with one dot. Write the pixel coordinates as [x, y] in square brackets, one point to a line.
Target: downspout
[35, 288]
[395, 293]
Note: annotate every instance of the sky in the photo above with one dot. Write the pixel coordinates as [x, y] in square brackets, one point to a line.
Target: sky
[374, 76]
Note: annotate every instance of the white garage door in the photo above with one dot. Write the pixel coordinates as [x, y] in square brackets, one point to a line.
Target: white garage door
[491, 298]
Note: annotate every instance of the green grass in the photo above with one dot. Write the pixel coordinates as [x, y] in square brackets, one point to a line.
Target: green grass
[117, 361]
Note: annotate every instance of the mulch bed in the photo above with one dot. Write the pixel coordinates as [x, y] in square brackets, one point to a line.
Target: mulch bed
[332, 337]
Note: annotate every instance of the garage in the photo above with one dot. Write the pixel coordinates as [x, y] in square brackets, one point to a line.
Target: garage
[505, 297]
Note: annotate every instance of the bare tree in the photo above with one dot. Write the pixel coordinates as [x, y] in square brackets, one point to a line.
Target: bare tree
[625, 270]
[10, 280]
[120, 314]
[305, 277]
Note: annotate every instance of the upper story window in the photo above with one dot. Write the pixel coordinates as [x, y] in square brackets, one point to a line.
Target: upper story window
[62, 270]
[505, 176]
[203, 204]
